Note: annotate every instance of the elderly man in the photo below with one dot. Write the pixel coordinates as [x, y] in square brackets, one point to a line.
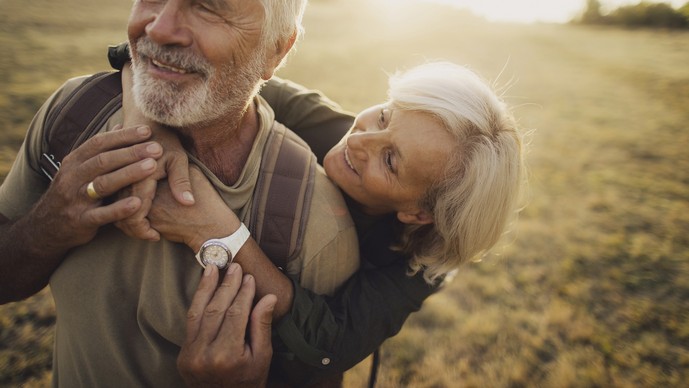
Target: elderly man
[121, 303]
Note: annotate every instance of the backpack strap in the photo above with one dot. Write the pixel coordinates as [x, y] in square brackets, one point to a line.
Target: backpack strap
[283, 193]
[282, 196]
[79, 116]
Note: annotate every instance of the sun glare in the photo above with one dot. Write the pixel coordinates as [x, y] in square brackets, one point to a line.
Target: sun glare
[529, 11]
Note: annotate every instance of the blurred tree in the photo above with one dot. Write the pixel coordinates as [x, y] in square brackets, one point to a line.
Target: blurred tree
[684, 10]
[648, 15]
[592, 13]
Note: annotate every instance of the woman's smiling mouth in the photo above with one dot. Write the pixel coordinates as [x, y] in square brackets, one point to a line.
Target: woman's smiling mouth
[349, 161]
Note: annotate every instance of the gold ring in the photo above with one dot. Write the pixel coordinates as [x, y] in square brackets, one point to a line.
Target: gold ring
[91, 192]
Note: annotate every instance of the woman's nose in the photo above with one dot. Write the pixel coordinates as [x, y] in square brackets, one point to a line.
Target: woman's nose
[168, 26]
[362, 144]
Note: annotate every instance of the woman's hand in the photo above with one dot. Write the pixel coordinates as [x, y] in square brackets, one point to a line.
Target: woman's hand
[192, 225]
[173, 164]
[216, 352]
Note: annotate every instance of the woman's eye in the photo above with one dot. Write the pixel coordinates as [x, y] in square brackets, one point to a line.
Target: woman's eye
[388, 160]
[383, 118]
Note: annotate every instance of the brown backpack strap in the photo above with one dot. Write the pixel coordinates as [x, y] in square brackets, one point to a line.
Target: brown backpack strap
[282, 196]
[80, 116]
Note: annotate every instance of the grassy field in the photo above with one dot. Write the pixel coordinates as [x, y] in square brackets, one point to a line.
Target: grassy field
[592, 289]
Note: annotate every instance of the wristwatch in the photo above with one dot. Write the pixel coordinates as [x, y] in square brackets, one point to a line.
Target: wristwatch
[221, 251]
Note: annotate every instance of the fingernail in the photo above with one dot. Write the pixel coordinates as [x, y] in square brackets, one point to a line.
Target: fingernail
[143, 130]
[148, 164]
[247, 278]
[233, 267]
[154, 148]
[207, 270]
[188, 196]
[132, 203]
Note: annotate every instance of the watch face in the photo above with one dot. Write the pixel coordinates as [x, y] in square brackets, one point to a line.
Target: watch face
[215, 254]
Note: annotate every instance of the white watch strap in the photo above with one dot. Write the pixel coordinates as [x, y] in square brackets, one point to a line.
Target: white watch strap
[237, 239]
[233, 243]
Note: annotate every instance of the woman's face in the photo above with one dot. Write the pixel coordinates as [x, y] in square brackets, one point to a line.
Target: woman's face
[388, 160]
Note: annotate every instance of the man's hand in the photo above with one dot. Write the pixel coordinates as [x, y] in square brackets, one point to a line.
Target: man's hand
[216, 352]
[110, 161]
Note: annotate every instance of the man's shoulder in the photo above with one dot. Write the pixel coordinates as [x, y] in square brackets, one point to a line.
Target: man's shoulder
[69, 86]
[328, 203]
[330, 251]
[329, 221]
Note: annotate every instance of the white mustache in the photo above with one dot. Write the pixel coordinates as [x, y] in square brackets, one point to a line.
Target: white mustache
[178, 57]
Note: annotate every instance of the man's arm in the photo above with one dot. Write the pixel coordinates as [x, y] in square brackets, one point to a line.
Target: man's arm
[33, 245]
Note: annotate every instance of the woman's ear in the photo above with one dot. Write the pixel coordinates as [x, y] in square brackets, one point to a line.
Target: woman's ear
[415, 217]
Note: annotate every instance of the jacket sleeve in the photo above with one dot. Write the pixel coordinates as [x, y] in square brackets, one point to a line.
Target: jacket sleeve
[335, 333]
[310, 114]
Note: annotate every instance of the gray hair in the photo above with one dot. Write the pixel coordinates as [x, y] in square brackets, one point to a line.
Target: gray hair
[282, 19]
[479, 189]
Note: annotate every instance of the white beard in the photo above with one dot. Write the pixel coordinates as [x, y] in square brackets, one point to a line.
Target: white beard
[218, 93]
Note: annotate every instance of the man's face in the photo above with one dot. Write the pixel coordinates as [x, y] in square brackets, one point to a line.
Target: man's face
[195, 61]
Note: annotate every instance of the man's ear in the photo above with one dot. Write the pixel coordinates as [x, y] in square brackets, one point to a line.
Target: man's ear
[415, 217]
[274, 58]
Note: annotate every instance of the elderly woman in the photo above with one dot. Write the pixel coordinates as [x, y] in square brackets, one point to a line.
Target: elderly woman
[431, 177]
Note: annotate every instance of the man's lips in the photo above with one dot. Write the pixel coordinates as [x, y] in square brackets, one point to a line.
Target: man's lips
[163, 66]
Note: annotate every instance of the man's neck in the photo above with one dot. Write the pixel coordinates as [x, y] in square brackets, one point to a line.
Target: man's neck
[224, 146]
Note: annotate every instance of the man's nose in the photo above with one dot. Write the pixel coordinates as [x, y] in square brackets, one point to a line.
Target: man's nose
[169, 25]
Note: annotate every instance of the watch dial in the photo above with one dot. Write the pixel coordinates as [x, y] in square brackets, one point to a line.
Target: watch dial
[215, 255]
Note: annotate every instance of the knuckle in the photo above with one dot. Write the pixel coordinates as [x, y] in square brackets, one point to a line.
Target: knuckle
[219, 361]
[193, 315]
[67, 160]
[98, 140]
[98, 186]
[191, 363]
[233, 312]
[211, 311]
[99, 161]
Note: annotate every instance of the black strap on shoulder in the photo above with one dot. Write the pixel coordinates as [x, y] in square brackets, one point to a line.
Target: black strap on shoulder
[282, 196]
[79, 116]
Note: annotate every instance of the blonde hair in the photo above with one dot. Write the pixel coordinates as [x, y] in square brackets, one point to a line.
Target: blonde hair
[473, 202]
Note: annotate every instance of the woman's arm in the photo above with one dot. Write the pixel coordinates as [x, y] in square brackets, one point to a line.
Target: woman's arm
[330, 334]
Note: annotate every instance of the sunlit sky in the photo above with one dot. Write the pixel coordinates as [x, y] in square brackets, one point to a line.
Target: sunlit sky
[526, 11]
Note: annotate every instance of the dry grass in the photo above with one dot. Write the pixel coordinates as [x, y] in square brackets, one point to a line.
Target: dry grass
[594, 291]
